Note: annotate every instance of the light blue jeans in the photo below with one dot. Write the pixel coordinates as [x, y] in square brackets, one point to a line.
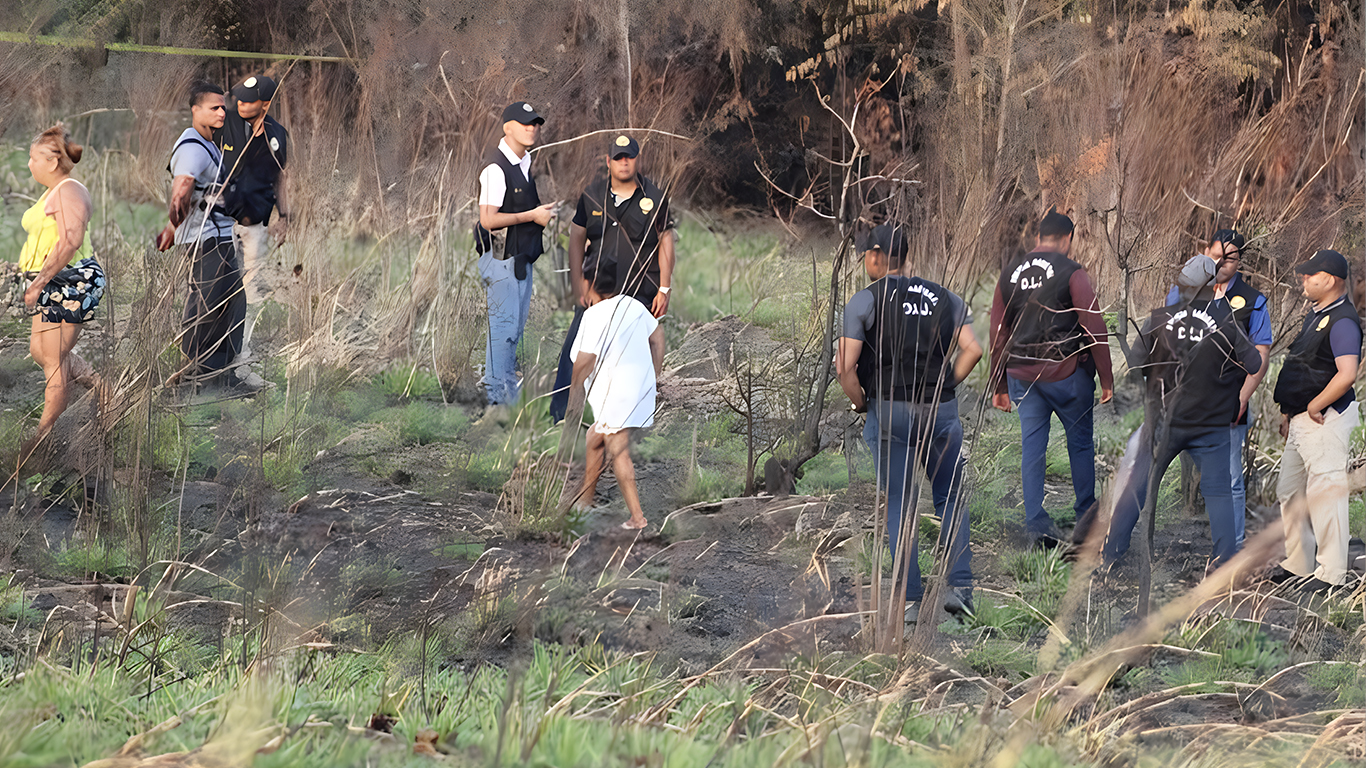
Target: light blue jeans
[509, 301]
[1238, 438]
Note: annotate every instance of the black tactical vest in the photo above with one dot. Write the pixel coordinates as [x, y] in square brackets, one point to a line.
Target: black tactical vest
[523, 240]
[1242, 299]
[906, 355]
[1309, 363]
[1193, 363]
[625, 238]
[1037, 296]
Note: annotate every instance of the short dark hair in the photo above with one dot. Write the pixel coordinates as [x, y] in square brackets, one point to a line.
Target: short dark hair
[201, 89]
[605, 280]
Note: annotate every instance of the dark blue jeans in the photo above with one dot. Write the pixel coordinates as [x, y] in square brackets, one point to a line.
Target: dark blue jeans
[564, 375]
[900, 435]
[1209, 447]
[1073, 400]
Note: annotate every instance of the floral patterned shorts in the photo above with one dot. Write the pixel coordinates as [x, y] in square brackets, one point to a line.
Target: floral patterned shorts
[72, 294]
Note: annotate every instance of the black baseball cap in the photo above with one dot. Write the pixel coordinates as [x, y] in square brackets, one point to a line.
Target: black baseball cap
[889, 239]
[1326, 260]
[254, 88]
[1228, 237]
[623, 146]
[1055, 224]
[522, 112]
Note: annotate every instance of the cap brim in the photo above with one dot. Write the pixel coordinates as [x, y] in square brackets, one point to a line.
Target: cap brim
[533, 120]
[624, 153]
[1308, 268]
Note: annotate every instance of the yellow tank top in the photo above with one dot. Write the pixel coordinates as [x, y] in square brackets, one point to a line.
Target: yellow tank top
[43, 235]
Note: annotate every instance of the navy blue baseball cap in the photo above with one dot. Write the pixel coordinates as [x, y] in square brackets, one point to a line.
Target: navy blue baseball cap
[1326, 260]
[623, 146]
[889, 239]
[1228, 237]
[522, 112]
[254, 88]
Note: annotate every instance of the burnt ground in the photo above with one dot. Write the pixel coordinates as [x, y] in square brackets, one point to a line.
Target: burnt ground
[395, 543]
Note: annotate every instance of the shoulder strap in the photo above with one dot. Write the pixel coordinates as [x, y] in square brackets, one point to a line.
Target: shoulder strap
[191, 140]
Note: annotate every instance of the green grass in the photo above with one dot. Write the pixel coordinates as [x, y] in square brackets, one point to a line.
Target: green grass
[422, 423]
[582, 707]
[1042, 578]
[96, 558]
[1000, 658]
[1348, 681]
[829, 471]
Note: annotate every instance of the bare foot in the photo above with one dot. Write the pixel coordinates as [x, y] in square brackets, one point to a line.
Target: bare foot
[634, 524]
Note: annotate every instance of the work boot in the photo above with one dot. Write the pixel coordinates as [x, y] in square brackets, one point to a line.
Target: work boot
[958, 601]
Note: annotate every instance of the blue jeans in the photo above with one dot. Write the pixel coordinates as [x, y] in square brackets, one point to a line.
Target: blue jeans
[1209, 447]
[901, 434]
[1073, 400]
[1238, 439]
[509, 301]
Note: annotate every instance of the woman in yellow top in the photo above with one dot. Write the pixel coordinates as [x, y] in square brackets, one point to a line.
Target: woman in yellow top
[58, 244]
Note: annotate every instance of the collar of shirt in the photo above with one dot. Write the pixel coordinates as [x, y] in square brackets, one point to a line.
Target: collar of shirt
[524, 161]
[1316, 311]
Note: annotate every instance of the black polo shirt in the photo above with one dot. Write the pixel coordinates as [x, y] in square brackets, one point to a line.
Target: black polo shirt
[625, 233]
[251, 166]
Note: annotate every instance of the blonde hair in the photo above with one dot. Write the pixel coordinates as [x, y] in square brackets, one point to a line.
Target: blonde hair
[58, 139]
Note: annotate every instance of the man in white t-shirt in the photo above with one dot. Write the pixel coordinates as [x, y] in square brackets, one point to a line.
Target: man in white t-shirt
[508, 240]
[215, 308]
[618, 355]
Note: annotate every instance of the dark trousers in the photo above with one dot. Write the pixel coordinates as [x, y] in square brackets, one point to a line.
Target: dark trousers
[564, 376]
[902, 435]
[1073, 400]
[215, 308]
[1209, 447]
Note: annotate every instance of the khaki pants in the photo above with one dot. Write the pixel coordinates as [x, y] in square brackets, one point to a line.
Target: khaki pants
[1313, 493]
[253, 248]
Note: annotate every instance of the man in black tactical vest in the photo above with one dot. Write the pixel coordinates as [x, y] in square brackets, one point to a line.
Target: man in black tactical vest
[1319, 412]
[508, 241]
[255, 152]
[896, 362]
[1251, 311]
[623, 223]
[1048, 343]
[1195, 357]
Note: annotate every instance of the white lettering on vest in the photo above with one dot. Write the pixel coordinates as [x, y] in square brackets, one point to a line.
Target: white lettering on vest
[928, 300]
[1032, 281]
[1189, 331]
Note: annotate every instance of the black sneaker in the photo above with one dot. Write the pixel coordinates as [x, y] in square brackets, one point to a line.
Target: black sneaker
[1049, 539]
[1279, 575]
[1317, 586]
[958, 601]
